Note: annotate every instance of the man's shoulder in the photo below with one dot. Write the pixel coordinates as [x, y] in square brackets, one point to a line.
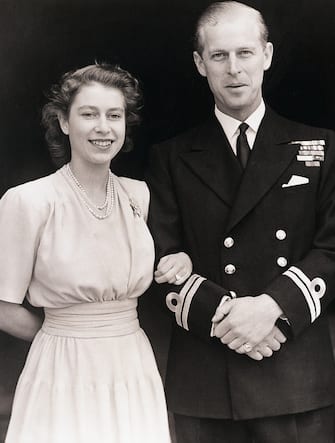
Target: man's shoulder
[294, 128]
[190, 137]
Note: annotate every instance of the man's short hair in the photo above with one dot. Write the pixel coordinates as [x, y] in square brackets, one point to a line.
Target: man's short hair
[212, 14]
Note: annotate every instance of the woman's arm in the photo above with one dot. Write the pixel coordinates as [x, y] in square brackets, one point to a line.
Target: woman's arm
[18, 321]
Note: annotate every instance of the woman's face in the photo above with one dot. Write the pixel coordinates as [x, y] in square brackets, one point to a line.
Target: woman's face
[96, 124]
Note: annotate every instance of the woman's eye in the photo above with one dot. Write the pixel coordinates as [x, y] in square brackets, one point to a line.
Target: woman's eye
[88, 114]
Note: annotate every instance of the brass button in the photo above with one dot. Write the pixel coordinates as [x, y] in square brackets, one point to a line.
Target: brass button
[228, 242]
[229, 269]
[281, 234]
[282, 262]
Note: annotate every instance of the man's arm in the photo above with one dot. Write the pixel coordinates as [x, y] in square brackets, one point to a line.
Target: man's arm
[306, 288]
[198, 297]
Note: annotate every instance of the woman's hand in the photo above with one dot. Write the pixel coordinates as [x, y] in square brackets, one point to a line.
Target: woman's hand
[174, 269]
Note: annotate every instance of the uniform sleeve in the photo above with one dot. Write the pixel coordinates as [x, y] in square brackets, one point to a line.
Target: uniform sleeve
[164, 215]
[307, 287]
[20, 225]
[194, 303]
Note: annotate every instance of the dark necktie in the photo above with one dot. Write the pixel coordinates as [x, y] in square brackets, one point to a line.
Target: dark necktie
[242, 145]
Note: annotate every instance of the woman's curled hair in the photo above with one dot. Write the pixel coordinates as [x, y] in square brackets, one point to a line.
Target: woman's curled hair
[63, 94]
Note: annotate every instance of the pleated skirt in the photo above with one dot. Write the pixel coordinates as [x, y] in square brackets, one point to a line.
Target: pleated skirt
[90, 377]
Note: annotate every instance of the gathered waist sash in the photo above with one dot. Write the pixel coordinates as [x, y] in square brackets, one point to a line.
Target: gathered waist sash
[95, 319]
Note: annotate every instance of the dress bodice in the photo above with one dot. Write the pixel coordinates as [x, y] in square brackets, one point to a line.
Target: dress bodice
[59, 254]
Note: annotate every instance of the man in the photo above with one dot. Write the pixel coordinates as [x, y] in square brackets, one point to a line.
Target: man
[254, 207]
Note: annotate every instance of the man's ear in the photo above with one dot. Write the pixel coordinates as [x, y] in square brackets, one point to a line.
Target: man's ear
[63, 123]
[268, 53]
[199, 63]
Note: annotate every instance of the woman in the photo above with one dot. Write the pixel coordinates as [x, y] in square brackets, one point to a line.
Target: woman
[76, 243]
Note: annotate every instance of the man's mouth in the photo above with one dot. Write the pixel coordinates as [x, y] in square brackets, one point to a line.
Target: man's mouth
[236, 85]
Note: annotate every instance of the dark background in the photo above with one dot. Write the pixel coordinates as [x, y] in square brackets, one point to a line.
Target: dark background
[41, 39]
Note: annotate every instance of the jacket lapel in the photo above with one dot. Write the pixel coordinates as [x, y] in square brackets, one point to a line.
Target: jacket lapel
[212, 160]
[269, 158]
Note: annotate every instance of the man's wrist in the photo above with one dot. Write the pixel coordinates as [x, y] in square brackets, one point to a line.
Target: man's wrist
[272, 306]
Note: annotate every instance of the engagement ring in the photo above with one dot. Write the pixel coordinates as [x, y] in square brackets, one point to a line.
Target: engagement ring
[247, 347]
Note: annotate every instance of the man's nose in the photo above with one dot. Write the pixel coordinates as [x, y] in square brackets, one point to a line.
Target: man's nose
[233, 65]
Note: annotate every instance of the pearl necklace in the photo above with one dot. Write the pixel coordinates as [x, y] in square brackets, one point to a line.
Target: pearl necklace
[109, 200]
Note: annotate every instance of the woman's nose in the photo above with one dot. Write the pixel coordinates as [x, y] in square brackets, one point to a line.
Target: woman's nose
[102, 125]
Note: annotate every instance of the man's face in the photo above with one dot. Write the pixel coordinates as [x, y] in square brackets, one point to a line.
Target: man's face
[234, 60]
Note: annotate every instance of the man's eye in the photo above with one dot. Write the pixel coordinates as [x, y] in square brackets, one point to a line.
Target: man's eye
[245, 53]
[115, 116]
[88, 114]
[218, 56]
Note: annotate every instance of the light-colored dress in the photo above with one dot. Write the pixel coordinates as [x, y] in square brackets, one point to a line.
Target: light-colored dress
[90, 375]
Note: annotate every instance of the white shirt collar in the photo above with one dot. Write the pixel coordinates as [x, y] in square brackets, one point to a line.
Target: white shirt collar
[230, 125]
[254, 120]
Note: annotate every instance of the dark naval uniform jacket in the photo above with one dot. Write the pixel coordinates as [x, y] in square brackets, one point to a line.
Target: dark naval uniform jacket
[269, 229]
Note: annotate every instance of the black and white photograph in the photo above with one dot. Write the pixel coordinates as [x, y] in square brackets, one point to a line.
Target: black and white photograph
[167, 221]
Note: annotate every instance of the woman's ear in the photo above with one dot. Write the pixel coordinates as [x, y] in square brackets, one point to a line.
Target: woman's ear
[63, 123]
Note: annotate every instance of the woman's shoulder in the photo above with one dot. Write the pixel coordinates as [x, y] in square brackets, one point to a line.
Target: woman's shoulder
[137, 191]
[133, 185]
[34, 193]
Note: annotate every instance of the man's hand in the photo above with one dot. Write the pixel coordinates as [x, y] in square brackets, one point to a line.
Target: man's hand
[245, 322]
[266, 347]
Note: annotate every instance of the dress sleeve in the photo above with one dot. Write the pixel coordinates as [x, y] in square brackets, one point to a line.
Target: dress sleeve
[138, 194]
[145, 200]
[20, 227]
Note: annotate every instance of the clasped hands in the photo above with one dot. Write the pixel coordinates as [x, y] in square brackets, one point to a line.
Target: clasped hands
[247, 326]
